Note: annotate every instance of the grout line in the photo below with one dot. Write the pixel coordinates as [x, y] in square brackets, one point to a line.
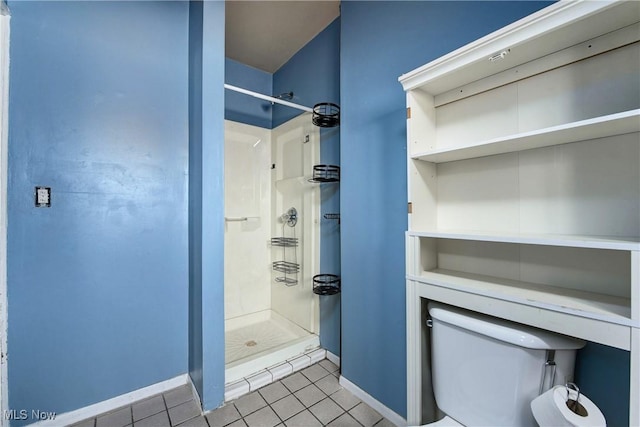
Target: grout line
[312, 381]
[330, 421]
[314, 416]
[206, 420]
[303, 405]
[306, 408]
[274, 411]
[166, 408]
[277, 415]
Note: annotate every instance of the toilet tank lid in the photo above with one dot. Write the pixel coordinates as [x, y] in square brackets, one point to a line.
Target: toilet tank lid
[503, 330]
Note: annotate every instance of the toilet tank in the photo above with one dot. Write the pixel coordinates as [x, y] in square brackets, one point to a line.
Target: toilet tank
[486, 371]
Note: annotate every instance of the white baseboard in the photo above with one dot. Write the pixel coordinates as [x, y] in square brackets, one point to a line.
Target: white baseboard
[333, 358]
[375, 404]
[90, 411]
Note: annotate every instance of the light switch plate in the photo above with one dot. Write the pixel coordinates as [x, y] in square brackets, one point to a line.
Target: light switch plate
[43, 197]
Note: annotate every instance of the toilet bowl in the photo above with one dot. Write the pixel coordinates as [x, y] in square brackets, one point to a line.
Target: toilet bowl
[444, 422]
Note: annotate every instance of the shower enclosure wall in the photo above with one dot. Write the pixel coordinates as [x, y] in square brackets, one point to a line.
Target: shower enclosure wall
[269, 319]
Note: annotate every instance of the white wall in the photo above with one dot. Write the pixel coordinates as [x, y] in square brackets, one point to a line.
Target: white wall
[247, 194]
[294, 159]
[260, 193]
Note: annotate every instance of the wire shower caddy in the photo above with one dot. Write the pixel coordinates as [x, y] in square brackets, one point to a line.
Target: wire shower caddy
[290, 268]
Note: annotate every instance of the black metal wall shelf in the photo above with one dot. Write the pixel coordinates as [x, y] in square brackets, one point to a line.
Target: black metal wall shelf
[326, 115]
[335, 216]
[325, 173]
[326, 284]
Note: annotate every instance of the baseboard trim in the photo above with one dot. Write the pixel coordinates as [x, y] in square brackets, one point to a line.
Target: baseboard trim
[375, 404]
[333, 358]
[109, 405]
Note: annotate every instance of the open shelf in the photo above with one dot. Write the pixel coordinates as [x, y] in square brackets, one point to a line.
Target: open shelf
[606, 308]
[572, 241]
[534, 128]
[599, 127]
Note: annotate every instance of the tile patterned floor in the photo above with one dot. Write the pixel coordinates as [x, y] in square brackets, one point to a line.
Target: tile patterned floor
[308, 398]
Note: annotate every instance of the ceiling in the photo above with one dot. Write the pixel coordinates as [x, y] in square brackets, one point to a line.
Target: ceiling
[266, 34]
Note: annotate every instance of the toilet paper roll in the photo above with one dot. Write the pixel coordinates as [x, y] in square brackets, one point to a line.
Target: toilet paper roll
[550, 409]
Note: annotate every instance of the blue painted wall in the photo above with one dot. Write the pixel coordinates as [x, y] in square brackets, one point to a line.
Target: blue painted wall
[97, 283]
[379, 42]
[603, 373]
[243, 108]
[313, 75]
[206, 196]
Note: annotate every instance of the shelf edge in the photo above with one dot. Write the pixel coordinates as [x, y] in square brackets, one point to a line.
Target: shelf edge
[598, 127]
[588, 242]
[612, 319]
[534, 25]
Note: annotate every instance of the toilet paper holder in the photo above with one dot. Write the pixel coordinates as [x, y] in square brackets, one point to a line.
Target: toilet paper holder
[574, 405]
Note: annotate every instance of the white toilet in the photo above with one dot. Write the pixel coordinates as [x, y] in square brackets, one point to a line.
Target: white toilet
[486, 371]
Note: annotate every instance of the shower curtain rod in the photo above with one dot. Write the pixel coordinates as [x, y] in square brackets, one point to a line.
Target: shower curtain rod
[268, 98]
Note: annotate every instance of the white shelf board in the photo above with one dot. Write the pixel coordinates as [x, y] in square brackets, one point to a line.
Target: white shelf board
[599, 127]
[600, 307]
[556, 27]
[572, 241]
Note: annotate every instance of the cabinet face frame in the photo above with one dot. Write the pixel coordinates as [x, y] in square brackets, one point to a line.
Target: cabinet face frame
[563, 33]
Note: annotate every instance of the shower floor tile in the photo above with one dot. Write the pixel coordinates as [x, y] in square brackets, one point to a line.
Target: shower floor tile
[256, 338]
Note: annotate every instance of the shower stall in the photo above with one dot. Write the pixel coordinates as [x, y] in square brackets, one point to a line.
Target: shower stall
[271, 244]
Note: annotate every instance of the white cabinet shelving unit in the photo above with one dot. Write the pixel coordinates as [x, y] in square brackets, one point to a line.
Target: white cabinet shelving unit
[524, 180]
